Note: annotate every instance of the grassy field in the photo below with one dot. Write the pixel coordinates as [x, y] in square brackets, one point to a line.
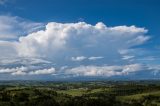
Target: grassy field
[138, 96]
[81, 91]
[81, 94]
[73, 92]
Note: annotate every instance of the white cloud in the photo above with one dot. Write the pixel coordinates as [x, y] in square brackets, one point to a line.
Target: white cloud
[12, 70]
[7, 49]
[12, 27]
[150, 58]
[79, 58]
[43, 71]
[94, 71]
[61, 40]
[127, 57]
[82, 58]
[27, 70]
[95, 58]
[154, 67]
[81, 38]
[90, 70]
[63, 68]
[58, 42]
[104, 70]
[132, 68]
[19, 73]
[23, 61]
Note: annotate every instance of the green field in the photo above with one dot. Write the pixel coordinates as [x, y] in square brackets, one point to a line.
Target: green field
[73, 92]
[81, 91]
[139, 96]
[122, 93]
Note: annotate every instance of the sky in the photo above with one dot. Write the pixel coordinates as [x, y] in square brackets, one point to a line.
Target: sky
[79, 39]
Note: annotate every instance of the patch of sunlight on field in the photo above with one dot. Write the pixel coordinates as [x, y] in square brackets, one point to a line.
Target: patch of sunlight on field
[15, 88]
[138, 96]
[99, 90]
[80, 92]
[73, 92]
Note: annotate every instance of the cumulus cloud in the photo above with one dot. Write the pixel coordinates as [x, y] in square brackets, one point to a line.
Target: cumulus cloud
[132, 68]
[19, 73]
[82, 58]
[126, 57]
[89, 70]
[22, 61]
[7, 49]
[95, 58]
[94, 71]
[154, 67]
[12, 70]
[31, 70]
[104, 70]
[79, 58]
[66, 43]
[150, 58]
[81, 38]
[43, 71]
[12, 27]
[62, 40]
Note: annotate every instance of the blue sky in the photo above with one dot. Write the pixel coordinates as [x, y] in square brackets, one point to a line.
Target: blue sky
[56, 39]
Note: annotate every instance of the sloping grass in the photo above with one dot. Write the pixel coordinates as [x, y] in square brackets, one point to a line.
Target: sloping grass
[80, 92]
[138, 96]
[73, 92]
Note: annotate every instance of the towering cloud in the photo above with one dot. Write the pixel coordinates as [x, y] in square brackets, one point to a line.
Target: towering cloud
[70, 44]
[79, 38]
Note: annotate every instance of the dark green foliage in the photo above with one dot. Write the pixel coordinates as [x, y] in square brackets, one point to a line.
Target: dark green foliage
[93, 94]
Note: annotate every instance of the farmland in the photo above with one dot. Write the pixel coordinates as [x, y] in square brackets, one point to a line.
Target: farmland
[97, 93]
